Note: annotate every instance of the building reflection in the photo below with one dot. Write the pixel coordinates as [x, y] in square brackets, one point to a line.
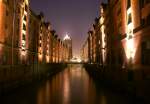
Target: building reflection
[66, 88]
[73, 85]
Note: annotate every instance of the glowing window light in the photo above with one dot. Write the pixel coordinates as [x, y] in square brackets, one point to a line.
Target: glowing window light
[129, 11]
[130, 49]
[47, 58]
[130, 42]
[25, 12]
[103, 36]
[23, 52]
[40, 57]
[27, 2]
[103, 43]
[102, 10]
[23, 32]
[102, 20]
[24, 21]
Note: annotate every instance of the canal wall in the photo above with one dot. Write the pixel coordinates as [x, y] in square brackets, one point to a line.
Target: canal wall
[127, 81]
[20, 75]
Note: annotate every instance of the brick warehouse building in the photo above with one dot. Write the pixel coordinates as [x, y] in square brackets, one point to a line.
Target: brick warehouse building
[131, 27]
[27, 45]
[13, 36]
[125, 26]
[130, 23]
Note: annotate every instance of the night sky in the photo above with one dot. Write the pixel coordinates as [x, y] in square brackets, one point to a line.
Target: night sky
[74, 17]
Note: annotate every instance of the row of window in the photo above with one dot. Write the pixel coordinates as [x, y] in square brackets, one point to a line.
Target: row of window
[6, 1]
[145, 21]
[143, 3]
[128, 4]
[24, 27]
[129, 18]
[146, 53]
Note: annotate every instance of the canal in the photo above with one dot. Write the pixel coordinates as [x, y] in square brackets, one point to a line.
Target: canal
[73, 85]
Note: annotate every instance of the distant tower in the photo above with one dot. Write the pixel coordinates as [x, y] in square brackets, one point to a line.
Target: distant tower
[68, 42]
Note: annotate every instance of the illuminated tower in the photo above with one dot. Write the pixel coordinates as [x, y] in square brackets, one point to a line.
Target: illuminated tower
[68, 42]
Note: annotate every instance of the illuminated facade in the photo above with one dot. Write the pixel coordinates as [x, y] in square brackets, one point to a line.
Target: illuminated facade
[24, 29]
[129, 37]
[6, 24]
[92, 45]
[25, 38]
[123, 35]
[97, 40]
[134, 23]
[14, 31]
[125, 42]
[103, 37]
[27, 46]
[85, 52]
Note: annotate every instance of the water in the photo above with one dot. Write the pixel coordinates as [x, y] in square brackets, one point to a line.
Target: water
[71, 86]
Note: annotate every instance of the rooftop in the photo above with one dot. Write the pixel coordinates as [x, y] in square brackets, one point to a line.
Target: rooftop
[67, 37]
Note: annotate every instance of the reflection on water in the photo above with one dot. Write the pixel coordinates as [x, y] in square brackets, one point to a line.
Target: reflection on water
[71, 86]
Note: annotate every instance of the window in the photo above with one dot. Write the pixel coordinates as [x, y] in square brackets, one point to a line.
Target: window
[26, 8]
[142, 22]
[6, 12]
[129, 18]
[23, 45]
[119, 12]
[129, 4]
[146, 1]
[25, 18]
[18, 10]
[145, 53]
[23, 37]
[6, 1]
[40, 51]
[40, 45]
[141, 2]
[148, 19]
[24, 27]
[40, 38]
[6, 26]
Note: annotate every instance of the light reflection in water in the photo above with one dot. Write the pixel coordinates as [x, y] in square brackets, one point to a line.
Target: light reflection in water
[66, 87]
[71, 86]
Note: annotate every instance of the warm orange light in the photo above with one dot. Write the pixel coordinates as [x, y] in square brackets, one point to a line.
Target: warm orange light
[40, 57]
[103, 43]
[101, 20]
[129, 11]
[23, 52]
[2, 10]
[23, 31]
[1, 47]
[27, 2]
[47, 59]
[130, 48]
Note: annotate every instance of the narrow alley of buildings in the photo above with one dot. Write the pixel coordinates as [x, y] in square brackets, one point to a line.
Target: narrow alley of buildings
[41, 65]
